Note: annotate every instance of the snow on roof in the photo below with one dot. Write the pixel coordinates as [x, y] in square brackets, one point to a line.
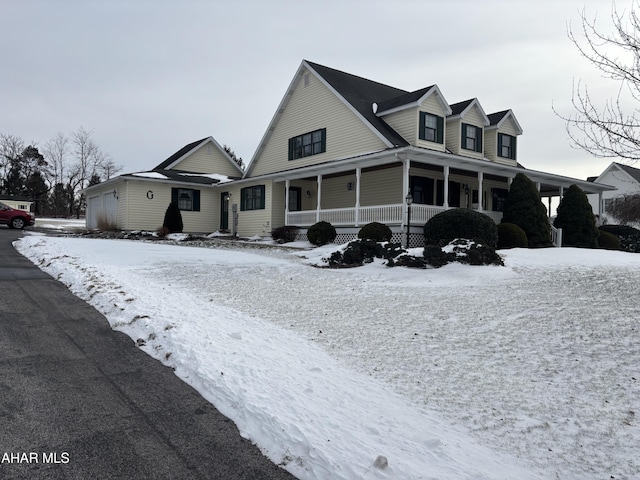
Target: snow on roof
[213, 176]
[149, 175]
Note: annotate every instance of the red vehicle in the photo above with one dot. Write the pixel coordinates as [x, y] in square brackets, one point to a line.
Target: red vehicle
[15, 218]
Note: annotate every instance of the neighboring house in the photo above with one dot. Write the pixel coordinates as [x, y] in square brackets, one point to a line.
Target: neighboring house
[19, 203]
[191, 177]
[626, 181]
[348, 150]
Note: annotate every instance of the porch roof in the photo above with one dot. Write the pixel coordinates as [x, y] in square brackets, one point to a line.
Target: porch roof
[549, 183]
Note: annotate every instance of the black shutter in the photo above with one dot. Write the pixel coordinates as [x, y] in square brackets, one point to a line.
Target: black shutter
[463, 136]
[513, 148]
[421, 131]
[324, 141]
[242, 202]
[196, 200]
[291, 141]
[440, 129]
[174, 196]
[479, 132]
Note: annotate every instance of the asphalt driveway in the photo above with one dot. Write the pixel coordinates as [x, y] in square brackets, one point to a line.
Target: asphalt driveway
[81, 401]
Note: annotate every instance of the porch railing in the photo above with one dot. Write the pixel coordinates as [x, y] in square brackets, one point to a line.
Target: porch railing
[556, 236]
[388, 214]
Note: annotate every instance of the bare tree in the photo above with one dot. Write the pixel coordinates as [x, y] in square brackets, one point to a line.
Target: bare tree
[57, 151]
[625, 209]
[107, 168]
[11, 148]
[611, 129]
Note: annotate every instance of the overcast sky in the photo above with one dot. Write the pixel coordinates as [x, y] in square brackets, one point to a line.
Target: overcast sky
[149, 76]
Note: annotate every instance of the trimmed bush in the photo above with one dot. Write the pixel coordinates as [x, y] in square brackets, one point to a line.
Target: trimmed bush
[321, 233]
[576, 219]
[524, 208]
[446, 226]
[285, 234]
[359, 252]
[173, 219]
[511, 235]
[608, 241]
[629, 237]
[436, 257]
[375, 231]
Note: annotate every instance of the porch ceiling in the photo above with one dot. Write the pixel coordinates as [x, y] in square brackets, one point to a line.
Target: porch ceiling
[549, 183]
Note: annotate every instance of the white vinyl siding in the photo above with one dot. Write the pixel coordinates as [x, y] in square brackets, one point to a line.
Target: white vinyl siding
[254, 222]
[136, 211]
[491, 148]
[308, 109]
[405, 122]
[454, 133]
[207, 159]
[431, 105]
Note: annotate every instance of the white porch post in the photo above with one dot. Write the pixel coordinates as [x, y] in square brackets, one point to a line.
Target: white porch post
[357, 216]
[600, 205]
[405, 189]
[446, 186]
[286, 201]
[318, 197]
[480, 195]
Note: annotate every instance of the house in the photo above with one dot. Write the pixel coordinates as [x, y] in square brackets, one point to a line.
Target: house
[348, 150]
[18, 202]
[624, 178]
[191, 177]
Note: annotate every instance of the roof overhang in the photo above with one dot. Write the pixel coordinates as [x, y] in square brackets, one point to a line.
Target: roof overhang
[550, 183]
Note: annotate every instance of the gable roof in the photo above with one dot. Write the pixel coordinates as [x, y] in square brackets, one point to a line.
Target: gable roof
[190, 148]
[461, 108]
[412, 99]
[357, 93]
[360, 94]
[633, 172]
[497, 119]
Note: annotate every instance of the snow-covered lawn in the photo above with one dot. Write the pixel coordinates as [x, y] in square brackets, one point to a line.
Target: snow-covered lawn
[531, 370]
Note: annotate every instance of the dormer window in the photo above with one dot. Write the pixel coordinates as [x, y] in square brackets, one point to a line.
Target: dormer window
[308, 144]
[506, 146]
[431, 127]
[471, 137]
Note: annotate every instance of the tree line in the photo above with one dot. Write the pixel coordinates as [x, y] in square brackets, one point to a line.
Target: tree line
[54, 175]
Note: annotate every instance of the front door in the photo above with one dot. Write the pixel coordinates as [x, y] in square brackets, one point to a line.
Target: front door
[224, 211]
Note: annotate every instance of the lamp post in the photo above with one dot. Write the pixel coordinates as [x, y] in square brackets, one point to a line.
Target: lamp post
[409, 200]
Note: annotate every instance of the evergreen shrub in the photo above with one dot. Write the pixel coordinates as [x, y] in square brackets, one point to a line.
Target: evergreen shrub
[524, 207]
[511, 235]
[321, 233]
[359, 252]
[575, 218]
[285, 234]
[629, 237]
[375, 231]
[446, 226]
[608, 241]
[173, 219]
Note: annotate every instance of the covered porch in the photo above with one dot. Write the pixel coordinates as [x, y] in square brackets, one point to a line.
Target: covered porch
[353, 192]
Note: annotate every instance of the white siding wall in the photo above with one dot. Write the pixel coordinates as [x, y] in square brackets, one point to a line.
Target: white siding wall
[255, 222]
[616, 178]
[406, 123]
[431, 105]
[208, 159]
[509, 128]
[136, 211]
[381, 187]
[311, 108]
